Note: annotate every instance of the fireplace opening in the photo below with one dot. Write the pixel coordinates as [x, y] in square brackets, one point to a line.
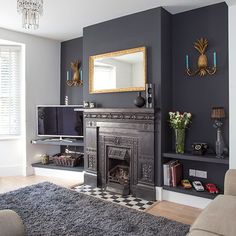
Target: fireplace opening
[118, 174]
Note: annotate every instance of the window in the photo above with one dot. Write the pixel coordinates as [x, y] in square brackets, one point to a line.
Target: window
[10, 91]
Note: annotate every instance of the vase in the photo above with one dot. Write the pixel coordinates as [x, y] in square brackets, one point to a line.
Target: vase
[139, 101]
[219, 144]
[179, 140]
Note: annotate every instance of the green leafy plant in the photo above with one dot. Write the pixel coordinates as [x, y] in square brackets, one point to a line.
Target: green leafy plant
[179, 120]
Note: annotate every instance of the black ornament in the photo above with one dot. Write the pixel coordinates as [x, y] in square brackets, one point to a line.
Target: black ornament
[139, 101]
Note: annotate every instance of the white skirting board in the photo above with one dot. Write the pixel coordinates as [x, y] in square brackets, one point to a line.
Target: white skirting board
[181, 198]
[11, 171]
[64, 174]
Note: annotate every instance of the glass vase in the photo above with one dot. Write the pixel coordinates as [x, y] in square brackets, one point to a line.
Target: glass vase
[219, 144]
[179, 140]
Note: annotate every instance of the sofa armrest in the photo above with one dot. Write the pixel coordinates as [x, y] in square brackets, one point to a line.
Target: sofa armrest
[11, 224]
[230, 182]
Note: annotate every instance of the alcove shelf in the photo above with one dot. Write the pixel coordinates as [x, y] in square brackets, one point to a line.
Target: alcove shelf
[59, 142]
[191, 191]
[53, 166]
[205, 158]
[208, 163]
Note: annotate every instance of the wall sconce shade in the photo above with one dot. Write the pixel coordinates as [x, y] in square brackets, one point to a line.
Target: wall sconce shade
[218, 113]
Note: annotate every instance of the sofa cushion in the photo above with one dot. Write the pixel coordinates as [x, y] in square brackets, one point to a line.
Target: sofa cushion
[11, 224]
[196, 232]
[218, 217]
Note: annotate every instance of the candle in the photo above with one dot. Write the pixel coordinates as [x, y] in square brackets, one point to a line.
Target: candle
[214, 59]
[67, 75]
[187, 65]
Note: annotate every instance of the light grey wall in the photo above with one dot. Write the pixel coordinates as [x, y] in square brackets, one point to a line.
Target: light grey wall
[232, 85]
[42, 86]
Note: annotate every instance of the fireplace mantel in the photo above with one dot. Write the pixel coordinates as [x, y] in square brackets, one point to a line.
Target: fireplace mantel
[141, 114]
[131, 129]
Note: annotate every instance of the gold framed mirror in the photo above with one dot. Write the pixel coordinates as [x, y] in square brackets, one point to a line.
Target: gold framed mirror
[120, 71]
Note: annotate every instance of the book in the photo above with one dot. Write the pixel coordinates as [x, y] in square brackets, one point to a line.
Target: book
[176, 174]
[167, 172]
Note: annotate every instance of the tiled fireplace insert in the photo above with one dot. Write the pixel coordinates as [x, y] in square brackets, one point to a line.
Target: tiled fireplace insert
[119, 150]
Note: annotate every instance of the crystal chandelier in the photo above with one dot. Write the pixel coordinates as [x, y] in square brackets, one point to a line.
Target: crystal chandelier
[30, 10]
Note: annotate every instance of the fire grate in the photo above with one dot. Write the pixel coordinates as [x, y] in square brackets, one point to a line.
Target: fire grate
[118, 180]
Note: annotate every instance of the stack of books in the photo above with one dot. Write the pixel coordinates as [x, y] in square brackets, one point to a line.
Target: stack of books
[172, 171]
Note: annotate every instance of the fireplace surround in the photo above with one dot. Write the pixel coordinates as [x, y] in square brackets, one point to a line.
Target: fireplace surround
[119, 150]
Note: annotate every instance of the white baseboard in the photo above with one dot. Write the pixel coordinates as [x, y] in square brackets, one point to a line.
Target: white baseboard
[11, 171]
[159, 193]
[28, 171]
[64, 174]
[181, 198]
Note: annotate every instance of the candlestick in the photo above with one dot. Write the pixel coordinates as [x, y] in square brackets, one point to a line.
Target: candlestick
[81, 75]
[66, 100]
[187, 65]
[214, 59]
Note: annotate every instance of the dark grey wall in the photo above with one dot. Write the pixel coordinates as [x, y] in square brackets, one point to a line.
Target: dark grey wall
[195, 94]
[168, 39]
[140, 29]
[163, 140]
[152, 29]
[71, 50]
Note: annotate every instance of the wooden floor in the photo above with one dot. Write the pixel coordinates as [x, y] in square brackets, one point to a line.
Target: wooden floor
[12, 183]
[173, 211]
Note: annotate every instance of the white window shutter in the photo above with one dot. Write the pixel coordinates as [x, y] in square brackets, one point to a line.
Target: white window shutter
[10, 91]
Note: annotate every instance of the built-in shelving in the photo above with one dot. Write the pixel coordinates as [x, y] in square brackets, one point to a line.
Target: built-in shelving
[205, 158]
[191, 191]
[53, 166]
[59, 142]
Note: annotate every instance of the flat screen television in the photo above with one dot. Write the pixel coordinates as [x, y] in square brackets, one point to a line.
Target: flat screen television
[60, 121]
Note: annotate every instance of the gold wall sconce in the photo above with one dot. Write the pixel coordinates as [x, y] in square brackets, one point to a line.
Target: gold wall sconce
[202, 64]
[76, 79]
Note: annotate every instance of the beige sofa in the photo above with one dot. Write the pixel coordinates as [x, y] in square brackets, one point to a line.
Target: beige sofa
[11, 224]
[219, 217]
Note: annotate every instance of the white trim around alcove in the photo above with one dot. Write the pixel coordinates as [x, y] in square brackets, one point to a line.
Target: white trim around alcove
[180, 198]
[64, 174]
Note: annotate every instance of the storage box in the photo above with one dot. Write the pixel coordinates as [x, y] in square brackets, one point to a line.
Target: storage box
[64, 159]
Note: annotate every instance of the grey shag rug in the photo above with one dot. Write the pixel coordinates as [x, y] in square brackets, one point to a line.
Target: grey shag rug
[47, 209]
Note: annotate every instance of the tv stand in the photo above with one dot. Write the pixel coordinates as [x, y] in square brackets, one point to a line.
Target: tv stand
[62, 140]
[59, 141]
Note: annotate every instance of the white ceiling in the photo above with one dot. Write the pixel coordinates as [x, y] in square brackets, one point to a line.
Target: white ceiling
[65, 19]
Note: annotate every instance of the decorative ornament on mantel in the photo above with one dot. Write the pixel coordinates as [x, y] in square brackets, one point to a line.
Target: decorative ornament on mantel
[139, 101]
[203, 69]
[77, 75]
[31, 10]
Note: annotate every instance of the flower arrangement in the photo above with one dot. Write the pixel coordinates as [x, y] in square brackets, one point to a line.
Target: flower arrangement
[179, 120]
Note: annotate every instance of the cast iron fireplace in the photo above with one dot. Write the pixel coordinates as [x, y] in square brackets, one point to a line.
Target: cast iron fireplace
[119, 152]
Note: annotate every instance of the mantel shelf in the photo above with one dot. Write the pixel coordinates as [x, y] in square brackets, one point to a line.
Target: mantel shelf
[205, 158]
[63, 142]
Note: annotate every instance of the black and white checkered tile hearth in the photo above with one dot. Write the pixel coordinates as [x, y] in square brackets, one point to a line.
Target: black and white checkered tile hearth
[128, 201]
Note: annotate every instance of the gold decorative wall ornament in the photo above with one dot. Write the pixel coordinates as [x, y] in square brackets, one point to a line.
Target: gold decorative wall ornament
[203, 69]
[77, 76]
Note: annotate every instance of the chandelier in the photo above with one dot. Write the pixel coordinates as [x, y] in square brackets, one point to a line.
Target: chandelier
[30, 10]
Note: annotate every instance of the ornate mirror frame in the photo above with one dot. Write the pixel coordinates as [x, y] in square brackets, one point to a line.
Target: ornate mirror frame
[114, 54]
